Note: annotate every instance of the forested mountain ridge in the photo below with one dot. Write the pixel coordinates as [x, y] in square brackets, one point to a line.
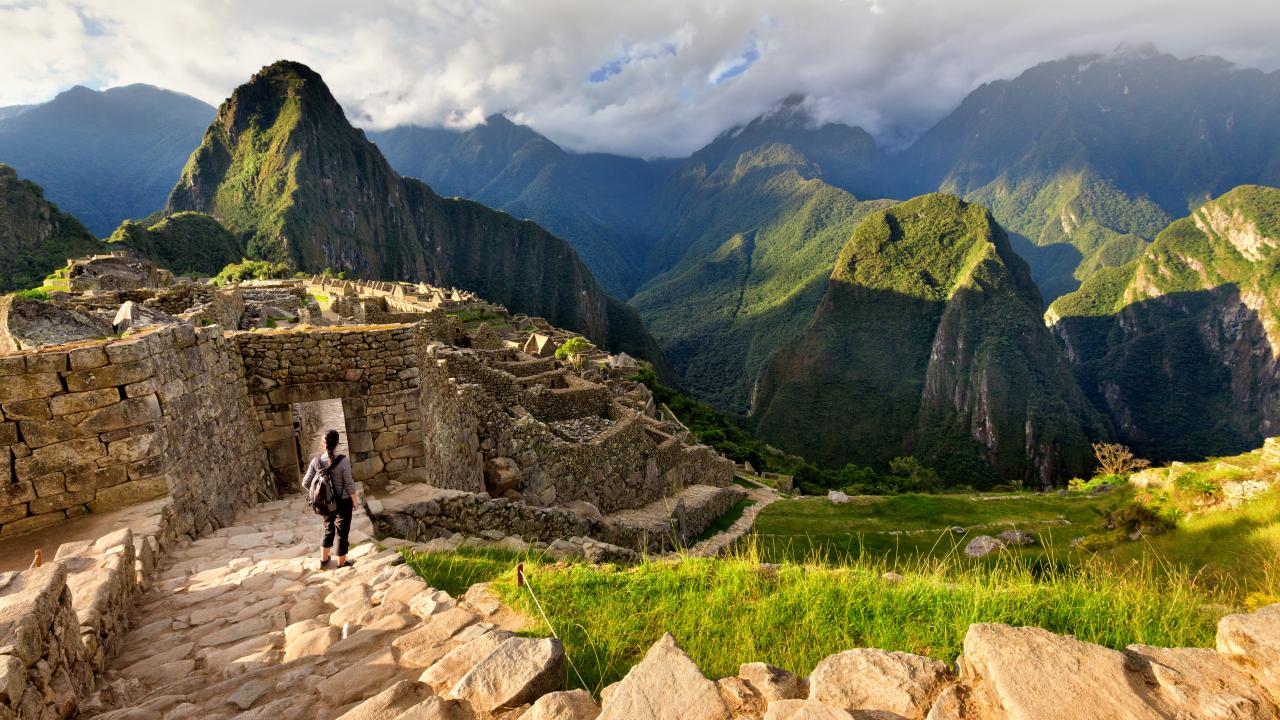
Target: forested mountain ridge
[104, 156]
[928, 342]
[1181, 347]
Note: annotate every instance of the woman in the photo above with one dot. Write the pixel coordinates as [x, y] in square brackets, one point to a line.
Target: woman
[337, 468]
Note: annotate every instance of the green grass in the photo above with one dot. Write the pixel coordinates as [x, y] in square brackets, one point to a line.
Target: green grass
[797, 529]
[1233, 550]
[725, 521]
[730, 611]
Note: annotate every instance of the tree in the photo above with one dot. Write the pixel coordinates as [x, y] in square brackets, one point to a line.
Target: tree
[1116, 459]
[574, 350]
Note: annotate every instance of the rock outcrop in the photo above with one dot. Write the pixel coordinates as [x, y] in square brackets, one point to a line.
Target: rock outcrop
[26, 324]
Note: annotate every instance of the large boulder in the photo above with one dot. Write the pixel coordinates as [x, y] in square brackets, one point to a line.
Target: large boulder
[519, 671]
[666, 685]
[1253, 640]
[982, 546]
[837, 498]
[1020, 673]
[809, 710]
[565, 705]
[135, 316]
[772, 683]
[869, 681]
[27, 324]
[1200, 683]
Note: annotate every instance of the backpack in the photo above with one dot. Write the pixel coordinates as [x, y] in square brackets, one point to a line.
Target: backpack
[322, 495]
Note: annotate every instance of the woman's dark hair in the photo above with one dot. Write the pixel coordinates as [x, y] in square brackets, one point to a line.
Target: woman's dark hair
[331, 441]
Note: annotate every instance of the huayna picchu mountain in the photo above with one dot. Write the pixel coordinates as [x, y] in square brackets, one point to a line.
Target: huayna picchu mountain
[929, 342]
[1182, 347]
[35, 236]
[282, 169]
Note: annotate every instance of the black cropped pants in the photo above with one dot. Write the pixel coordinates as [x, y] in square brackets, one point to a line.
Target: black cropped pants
[339, 523]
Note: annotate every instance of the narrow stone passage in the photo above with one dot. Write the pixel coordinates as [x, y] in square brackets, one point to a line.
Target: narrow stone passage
[245, 624]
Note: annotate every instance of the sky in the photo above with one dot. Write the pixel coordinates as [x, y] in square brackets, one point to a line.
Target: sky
[644, 77]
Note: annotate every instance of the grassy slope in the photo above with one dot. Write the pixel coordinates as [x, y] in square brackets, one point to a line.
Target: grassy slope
[185, 242]
[1168, 590]
[805, 528]
[727, 612]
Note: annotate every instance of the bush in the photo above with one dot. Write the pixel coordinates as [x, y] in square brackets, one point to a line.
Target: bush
[33, 294]
[1197, 485]
[251, 270]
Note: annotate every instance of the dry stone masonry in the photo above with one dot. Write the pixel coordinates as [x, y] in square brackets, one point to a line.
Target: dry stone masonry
[176, 586]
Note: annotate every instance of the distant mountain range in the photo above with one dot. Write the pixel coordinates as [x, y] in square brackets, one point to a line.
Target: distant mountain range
[730, 256]
[104, 156]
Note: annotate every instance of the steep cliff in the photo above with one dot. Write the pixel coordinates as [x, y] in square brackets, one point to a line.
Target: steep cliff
[1180, 347]
[282, 168]
[35, 236]
[929, 342]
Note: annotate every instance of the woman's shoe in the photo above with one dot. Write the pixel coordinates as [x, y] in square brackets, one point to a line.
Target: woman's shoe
[324, 563]
[346, 564]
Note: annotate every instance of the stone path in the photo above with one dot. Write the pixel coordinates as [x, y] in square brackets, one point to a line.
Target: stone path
[722, 542]
[245, 625]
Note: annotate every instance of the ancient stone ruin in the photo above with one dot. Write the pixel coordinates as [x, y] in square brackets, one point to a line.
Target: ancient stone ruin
[155, 472]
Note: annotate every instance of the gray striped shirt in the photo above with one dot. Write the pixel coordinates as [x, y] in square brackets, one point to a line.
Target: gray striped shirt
[343, 483]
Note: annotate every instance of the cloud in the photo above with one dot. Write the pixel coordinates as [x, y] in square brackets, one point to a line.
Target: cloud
[661, 77]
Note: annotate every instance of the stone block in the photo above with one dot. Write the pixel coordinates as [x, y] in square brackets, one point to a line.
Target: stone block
[97, 479]
[408, 451]
[111, 375]
[51, 484]
[283, 453]
[42, 505]
[12, 365]
[136, 448]
[87, 358]
[385, 441]
[128, 350]
[127, 413]
[129, 493]
[8, 433]
[32, 523]
[47, 362]
[29, 386]
[82, 402]
[15, 493]
[60, 456]
[38, 433]
[27, 410]
[360, 442]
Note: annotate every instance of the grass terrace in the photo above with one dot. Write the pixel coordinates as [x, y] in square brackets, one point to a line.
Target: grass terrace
[729, 611]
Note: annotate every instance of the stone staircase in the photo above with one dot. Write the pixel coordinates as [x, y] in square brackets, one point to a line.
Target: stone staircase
[244, 624]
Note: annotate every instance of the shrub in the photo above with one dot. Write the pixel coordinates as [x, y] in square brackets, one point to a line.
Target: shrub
[33, 294]
[1117, 459]
[1197, 485]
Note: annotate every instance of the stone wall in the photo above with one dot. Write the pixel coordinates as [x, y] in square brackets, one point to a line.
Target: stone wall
[428, 513]
[375, 371]
[43, 672]
[105, 424]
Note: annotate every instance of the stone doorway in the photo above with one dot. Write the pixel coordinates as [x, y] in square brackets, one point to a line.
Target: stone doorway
[311, 420]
